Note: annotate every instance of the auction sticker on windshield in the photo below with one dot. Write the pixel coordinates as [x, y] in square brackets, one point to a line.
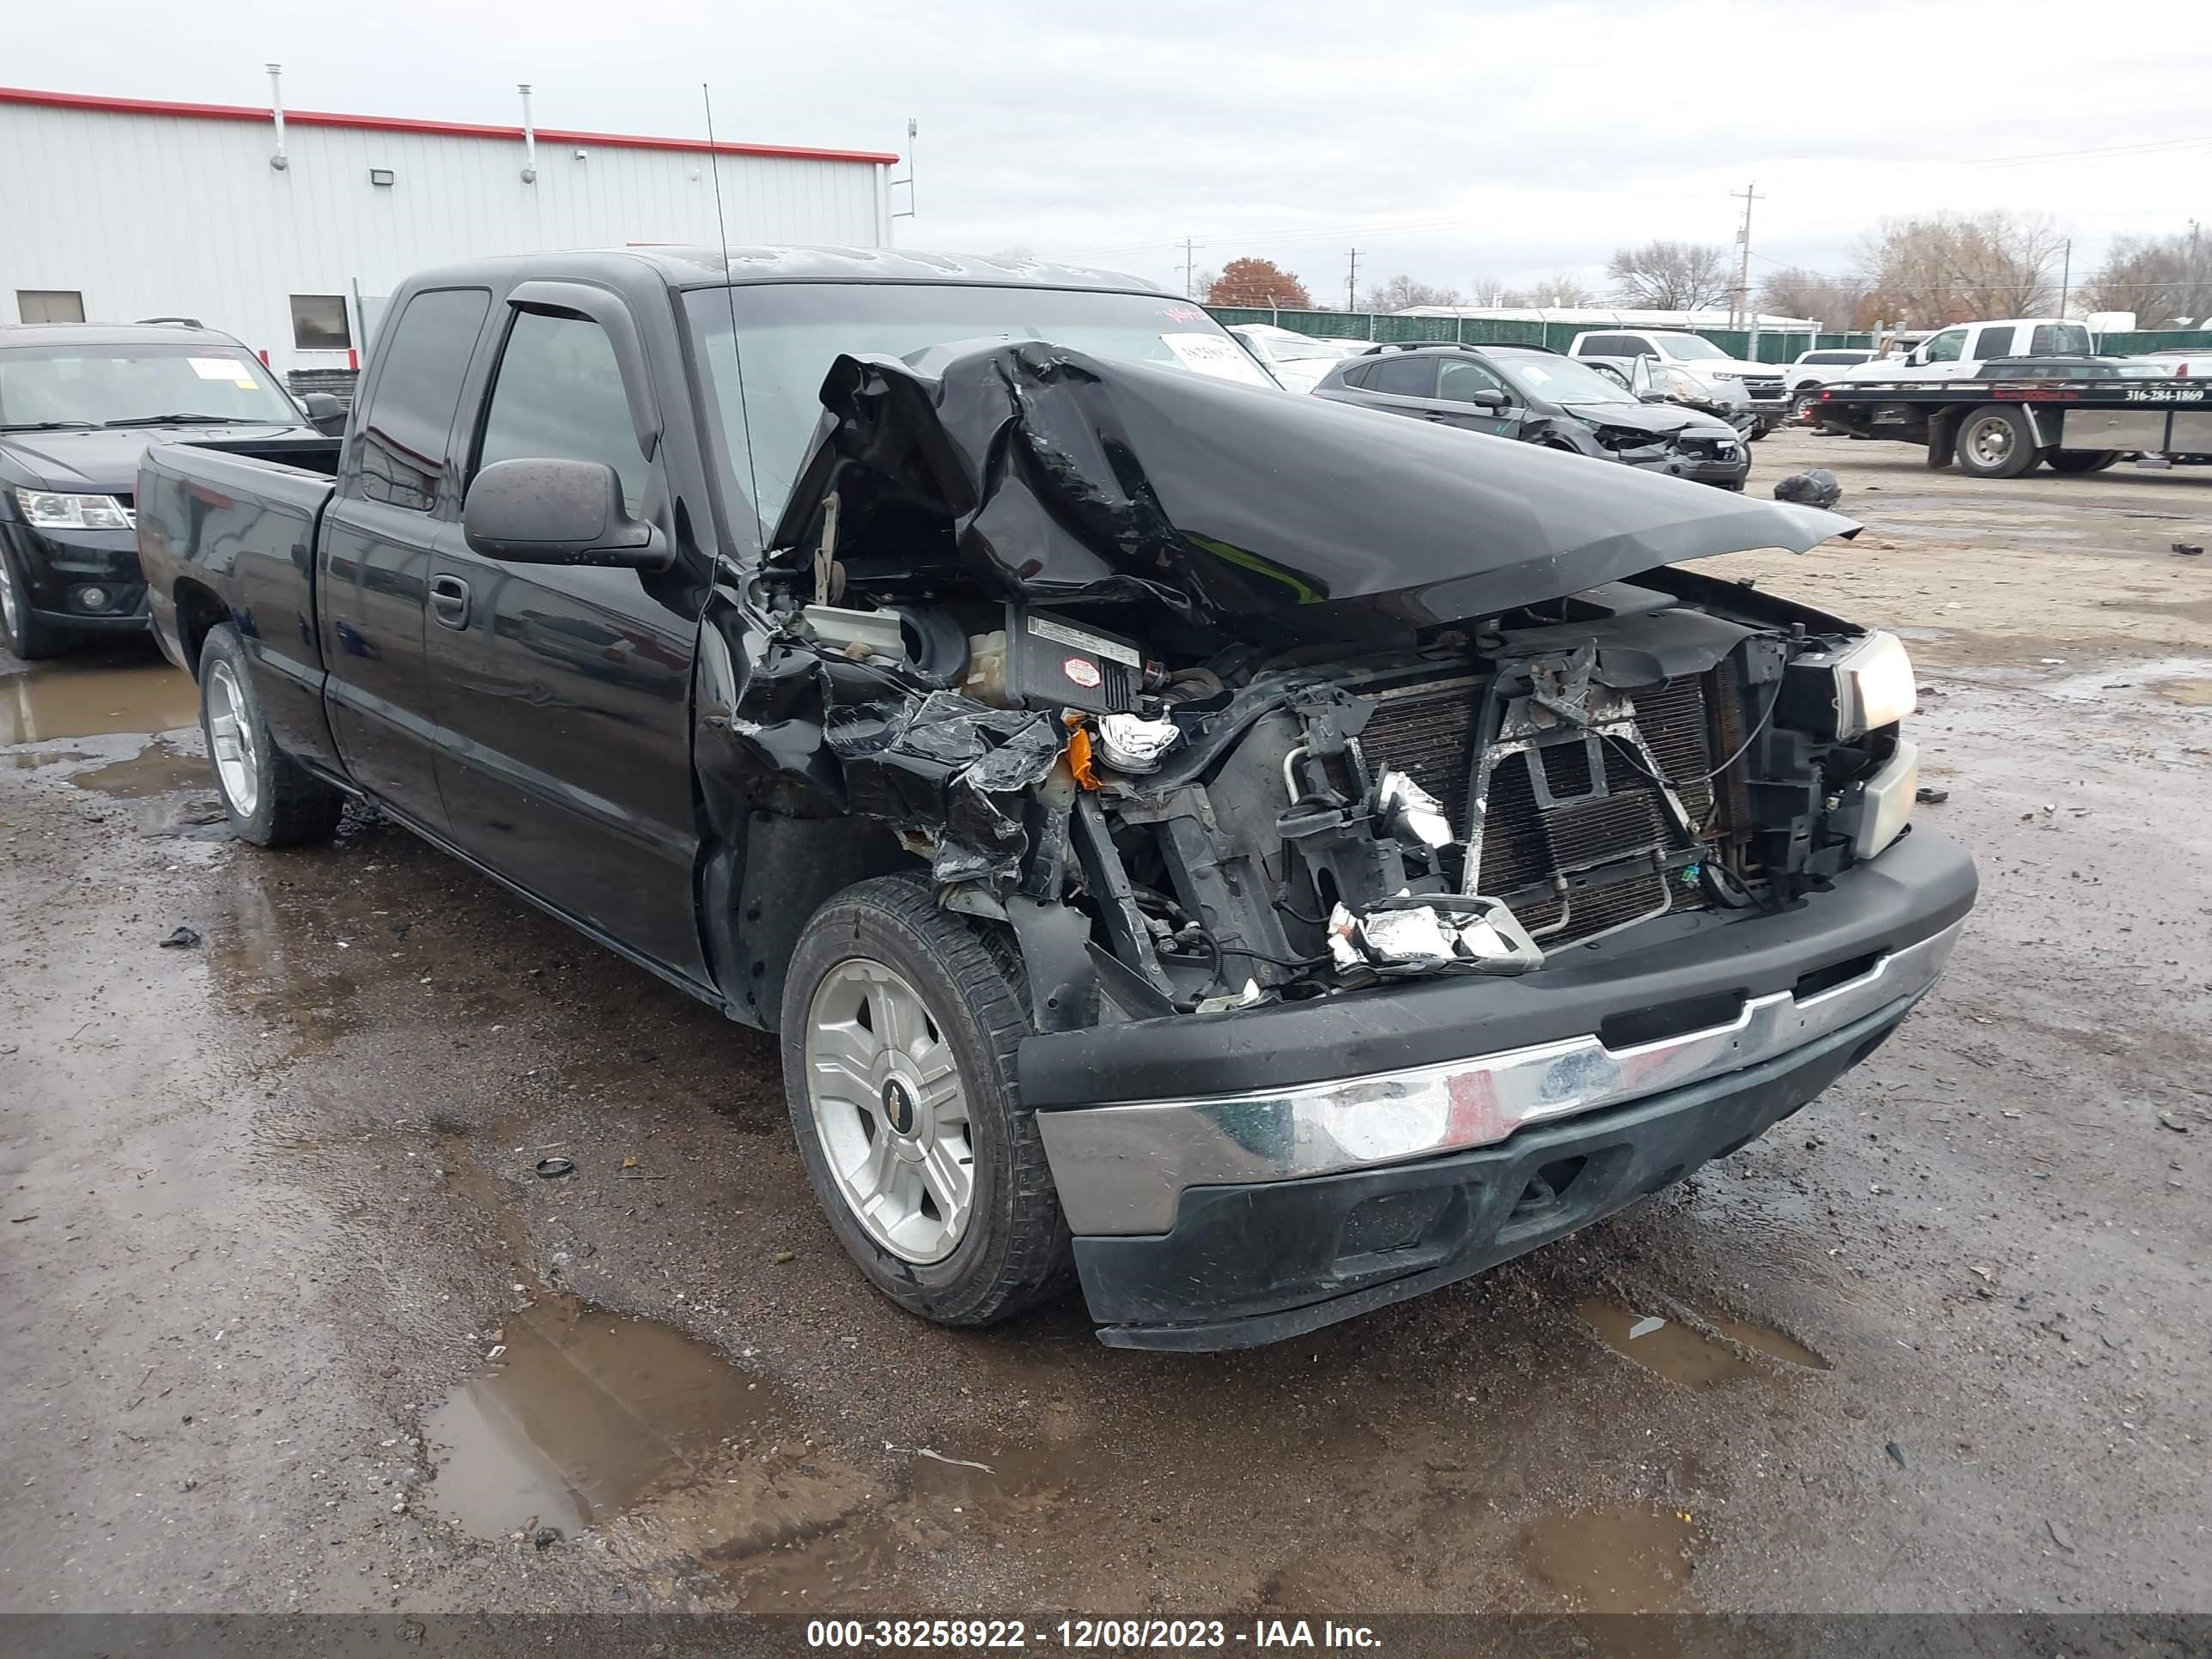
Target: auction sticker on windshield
[221, 368]
[1215, 355]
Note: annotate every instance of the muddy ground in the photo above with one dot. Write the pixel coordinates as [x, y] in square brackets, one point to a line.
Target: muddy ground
[290, 1322]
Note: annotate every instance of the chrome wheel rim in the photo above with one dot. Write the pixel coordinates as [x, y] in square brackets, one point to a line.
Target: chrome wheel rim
[9, 611]
[230, 740]
[890, 1111]
[1991, 442]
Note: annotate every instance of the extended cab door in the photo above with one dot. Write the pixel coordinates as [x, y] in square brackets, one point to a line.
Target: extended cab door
[397, 505]
[565, 690]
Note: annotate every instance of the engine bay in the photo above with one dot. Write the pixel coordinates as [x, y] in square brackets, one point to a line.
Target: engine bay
[1216, 698]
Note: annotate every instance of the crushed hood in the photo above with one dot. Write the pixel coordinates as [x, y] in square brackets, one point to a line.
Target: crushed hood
[1069, 479]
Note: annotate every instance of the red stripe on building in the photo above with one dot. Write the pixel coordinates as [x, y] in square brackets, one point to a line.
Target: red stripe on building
[309, 118]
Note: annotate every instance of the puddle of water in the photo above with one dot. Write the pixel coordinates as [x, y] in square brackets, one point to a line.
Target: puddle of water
[1621, 1561]
[586, 1414]
[1771, 1343]
[2194, 673]
[157, 769]
[89, 699]
[1674, 1350]
[24, 759]
[1682, 1354]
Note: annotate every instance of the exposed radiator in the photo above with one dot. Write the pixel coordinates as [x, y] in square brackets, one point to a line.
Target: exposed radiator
[1427, 731]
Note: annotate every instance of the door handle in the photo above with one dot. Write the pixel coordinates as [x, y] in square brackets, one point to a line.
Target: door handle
[449, 601]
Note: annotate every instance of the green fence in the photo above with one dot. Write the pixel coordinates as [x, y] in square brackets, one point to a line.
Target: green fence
[1773, 348]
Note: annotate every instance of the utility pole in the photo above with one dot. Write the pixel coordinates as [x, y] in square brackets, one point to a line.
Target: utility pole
[2066, 276]
[1352, 283]
[1750, 194]
[1189, 266]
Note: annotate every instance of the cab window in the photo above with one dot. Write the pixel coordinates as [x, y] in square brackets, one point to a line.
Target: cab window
[1945, 347]
[402, 449]
[1993, 343]
[1404, 377]
[1463, 383]
[559, 397]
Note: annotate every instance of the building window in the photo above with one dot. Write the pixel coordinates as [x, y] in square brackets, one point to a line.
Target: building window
[319, 322]
[49, 305]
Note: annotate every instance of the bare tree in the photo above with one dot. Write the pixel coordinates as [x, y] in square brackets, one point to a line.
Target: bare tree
[1954, 267]
[1252, 281]
[2165, 280]
[1667, 275]
[1402, 291]
[1557, 292]
[1834, 302]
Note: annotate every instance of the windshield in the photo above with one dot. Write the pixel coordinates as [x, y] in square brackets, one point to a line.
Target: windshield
[1560, 380]
[1689, 348]
[96, 385]
[789, 334]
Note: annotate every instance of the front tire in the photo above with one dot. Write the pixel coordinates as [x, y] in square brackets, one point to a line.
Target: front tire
[2082, 460]
[1997, 443]
[28, 636]
[900, 1023]
[272, 799]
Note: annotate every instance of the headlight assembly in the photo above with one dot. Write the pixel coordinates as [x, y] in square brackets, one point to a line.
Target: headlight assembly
[1874, 685]
[47, 509]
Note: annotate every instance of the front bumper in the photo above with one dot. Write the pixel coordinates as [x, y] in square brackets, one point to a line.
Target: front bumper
[59, 566]
[1267, 1104]
[1252, 1264]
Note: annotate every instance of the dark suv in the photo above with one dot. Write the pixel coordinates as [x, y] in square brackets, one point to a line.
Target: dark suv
[79, 403]
[1540, 396]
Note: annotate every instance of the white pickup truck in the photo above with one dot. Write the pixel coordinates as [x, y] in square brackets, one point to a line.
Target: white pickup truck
[1958, 352]
[1726, 380]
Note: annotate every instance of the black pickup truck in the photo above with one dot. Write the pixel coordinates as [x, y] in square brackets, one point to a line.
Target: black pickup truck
[2071, 414]
[1262, 857]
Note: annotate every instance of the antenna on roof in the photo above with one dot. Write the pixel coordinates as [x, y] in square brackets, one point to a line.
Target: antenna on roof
[729, 293]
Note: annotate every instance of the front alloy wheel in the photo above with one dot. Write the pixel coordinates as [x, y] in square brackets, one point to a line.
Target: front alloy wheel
[889, 1110]
[900, 1023]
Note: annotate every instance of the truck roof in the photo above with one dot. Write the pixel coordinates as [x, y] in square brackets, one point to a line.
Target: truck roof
[686, 266]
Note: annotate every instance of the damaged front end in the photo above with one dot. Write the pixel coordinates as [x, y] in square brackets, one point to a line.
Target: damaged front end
[1218, 698]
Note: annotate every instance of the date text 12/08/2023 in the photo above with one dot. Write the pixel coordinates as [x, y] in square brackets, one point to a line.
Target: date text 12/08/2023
[1082, 1635]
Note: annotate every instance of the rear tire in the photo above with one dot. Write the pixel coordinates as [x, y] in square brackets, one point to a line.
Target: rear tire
[1997, 443]
[2082, 460]
[900, 1023]
[272, 799]
[27, 636]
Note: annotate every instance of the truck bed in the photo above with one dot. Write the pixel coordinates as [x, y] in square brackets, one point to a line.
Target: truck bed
[227, 533]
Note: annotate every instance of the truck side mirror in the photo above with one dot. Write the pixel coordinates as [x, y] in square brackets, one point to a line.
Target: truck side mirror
[542, 511]
[326, 414]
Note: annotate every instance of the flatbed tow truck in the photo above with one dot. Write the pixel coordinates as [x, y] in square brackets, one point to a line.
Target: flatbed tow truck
[2080, 415]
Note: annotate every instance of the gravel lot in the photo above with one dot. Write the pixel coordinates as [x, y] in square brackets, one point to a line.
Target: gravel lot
[292, 1323]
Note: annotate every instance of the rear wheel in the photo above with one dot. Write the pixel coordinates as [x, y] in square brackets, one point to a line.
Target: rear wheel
[272, 799]
[1997, 443]
[900, 1023]
[26, 635]
[2082, 460]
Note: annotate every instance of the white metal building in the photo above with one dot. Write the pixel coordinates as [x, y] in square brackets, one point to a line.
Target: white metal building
[287, 230]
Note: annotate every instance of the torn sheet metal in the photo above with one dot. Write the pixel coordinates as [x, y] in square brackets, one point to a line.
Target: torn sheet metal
[948, 765]
[1062, 476]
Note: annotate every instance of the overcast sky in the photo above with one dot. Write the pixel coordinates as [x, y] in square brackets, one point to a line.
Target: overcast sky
[1444, 141]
